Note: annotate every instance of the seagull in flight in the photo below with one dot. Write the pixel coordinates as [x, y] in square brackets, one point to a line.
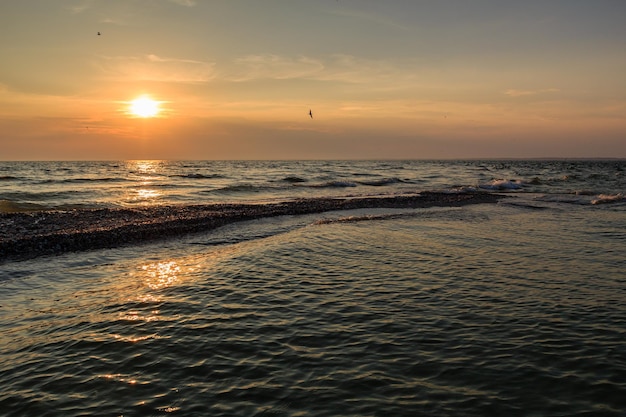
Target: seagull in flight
[310, 113]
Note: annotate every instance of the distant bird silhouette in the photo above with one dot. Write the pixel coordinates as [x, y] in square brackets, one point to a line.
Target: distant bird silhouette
[98, 33]
[310, 113]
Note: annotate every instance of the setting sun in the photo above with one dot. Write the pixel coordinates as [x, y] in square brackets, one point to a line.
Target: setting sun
[144, 107]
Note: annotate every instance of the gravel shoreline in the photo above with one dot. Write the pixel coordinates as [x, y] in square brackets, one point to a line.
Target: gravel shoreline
[29, 235]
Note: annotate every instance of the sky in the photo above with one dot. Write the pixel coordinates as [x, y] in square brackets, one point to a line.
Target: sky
[235, 79]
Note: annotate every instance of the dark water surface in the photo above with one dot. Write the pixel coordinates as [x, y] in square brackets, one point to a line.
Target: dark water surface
[515, 309]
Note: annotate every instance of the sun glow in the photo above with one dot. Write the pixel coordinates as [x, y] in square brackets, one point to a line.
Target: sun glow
[144, 106]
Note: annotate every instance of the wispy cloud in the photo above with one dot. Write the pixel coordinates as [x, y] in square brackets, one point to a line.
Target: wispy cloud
[335, 68]
[348, 68]
[340, 68]
[156, 68]
[188, 3]
[80, 6]
[274, 67]
[118, 21]
[369, 18]
[525, 93]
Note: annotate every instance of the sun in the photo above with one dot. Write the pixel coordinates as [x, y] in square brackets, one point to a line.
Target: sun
[144, 106]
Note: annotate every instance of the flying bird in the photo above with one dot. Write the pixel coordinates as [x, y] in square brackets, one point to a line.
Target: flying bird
[98, 33]
[310, 113]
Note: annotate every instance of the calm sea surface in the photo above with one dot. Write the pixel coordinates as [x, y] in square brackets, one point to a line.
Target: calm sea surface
[509, 309]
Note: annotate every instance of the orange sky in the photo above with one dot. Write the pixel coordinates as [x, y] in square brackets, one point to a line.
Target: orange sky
[236, 80]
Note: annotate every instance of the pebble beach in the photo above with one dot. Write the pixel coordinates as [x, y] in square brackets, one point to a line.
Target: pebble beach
[29, 235]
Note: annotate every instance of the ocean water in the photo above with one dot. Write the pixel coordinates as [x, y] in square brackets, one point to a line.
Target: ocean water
[68, 185]
[509, 309]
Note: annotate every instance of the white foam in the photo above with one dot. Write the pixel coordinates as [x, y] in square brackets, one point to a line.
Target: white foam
[501, 184]
[608, 198]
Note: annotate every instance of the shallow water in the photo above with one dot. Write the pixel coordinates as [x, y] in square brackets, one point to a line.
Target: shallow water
[514, 309]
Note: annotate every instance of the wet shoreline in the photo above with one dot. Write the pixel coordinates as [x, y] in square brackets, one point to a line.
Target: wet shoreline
[29, 235]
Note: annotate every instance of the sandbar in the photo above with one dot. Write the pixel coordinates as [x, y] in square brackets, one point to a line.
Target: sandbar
[30, 235]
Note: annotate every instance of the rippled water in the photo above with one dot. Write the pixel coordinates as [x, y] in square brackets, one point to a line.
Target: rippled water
[26, 186]
[515, 309]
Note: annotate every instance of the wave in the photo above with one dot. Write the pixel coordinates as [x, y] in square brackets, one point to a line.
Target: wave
[197, 176]
[104, 179]
[335, 184]
[42, 196]
[294, 179]
[9, 206]
[382, 182]
[609, 198]
[240, 188]
[502, 185]
[82, 180]
[347, 184]
[8, 178]
[582, 198]
[366, 217]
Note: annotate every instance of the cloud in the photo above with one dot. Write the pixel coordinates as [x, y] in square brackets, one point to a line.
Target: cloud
[370, 18]
[338, 67]
[348, 68]
[124, 21]
[187, 3]
[378, 75]
[523, 93]
[276, 67]
[161, 69]
[80, 7]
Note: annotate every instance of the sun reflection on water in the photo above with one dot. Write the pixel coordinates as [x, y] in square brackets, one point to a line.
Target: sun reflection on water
[146, 174]
[161, 274]
[147, 194]
[135, 339]
[144, 306]
[145, 166]
[121, 378]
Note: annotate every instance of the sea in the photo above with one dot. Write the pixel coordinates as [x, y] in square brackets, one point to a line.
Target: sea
[515, 308]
